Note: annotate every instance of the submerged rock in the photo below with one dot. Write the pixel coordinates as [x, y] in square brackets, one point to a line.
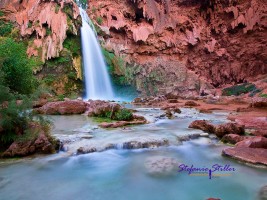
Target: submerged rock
[121, 123]
[257, 156]
[202, 125]
[263, 193]
[213, 198]
[63, 107]
[184, 138]
[83, 150]
[161, 166]
[145, 144]
[3, 182]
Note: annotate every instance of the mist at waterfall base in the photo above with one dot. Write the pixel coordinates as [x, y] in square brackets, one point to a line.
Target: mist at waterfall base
[97, 81]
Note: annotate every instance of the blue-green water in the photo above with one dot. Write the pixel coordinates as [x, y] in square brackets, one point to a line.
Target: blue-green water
[124, 174]
[121, 174]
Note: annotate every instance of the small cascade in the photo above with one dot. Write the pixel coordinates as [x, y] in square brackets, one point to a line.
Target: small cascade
[97, 81]
[119, 146]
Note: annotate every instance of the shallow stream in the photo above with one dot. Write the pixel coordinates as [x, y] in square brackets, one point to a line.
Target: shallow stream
[140, 174]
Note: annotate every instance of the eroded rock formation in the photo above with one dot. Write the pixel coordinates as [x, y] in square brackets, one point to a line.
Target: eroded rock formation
[185, 46]
[46, 23]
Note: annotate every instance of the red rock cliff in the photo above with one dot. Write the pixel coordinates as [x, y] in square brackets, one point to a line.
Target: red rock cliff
[186, 45]
[44, 22]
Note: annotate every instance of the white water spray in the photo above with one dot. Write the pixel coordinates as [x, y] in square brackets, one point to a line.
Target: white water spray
[97, 81]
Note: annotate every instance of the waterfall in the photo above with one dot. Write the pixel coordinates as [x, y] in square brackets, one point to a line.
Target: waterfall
[97, 81]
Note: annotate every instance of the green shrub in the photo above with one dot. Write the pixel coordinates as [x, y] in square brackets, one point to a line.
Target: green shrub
[72, 75]
[99, 20]
[1, 13]
[49, 79]
[48, 31]
[120, 115]
[73, 44]
[60, 97]
[93, 9]
[124, 115]
[16, 67]
[263, 95]
[17, 84]
[14, 119]
[57, 8]
[107, 114]
[5, 28]
[239, 89]
[58, 61]
[29, 24]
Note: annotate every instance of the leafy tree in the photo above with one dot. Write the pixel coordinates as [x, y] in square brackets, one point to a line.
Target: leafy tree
[16, 67]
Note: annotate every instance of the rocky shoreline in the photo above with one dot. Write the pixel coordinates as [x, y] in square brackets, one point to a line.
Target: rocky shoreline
[247, 131]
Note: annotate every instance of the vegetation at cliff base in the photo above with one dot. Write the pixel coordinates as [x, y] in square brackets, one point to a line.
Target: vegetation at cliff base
[17, 86]
[240, 89]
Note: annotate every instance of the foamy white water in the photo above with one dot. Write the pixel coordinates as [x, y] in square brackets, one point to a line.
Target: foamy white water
[97, 81]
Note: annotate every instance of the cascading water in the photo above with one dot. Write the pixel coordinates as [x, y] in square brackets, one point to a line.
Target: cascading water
[97, 81]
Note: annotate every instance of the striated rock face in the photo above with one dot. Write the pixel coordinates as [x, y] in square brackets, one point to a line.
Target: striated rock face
[185, 46]
[46, 23]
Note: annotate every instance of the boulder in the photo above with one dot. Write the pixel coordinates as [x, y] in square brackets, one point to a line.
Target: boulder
[160, 165]
[232, 138]
[177, 110]
[229, 128]
[42, 144]
[169, 114]
[121, 123]
[253, 142]
[98, 107]
[246, 154]
[62, 108]
[263, 193]
[202, 125]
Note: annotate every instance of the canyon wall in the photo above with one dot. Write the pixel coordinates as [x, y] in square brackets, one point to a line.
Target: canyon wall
[50, 30]
[184, 46]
